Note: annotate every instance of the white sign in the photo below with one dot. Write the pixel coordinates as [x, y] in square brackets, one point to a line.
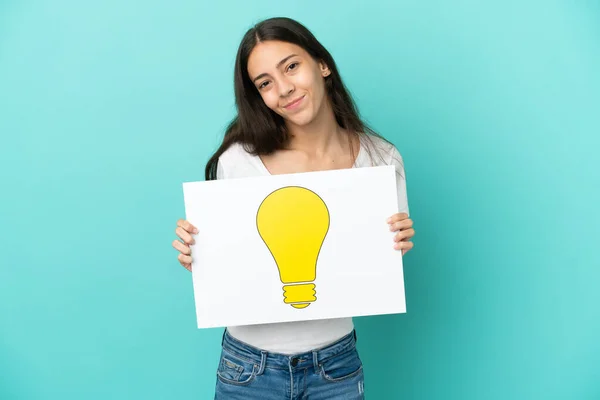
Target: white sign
[295, 247]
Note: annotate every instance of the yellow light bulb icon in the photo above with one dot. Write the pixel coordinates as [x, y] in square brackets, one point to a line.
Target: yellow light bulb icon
[293, 222]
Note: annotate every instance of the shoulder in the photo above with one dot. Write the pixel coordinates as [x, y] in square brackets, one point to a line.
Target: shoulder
[237, 162]
[234, 154]
[381, 152]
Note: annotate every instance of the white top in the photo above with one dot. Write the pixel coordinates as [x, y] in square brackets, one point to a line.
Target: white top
[302, 336]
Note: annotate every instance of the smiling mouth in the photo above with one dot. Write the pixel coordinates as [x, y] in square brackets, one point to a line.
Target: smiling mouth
[294, 103]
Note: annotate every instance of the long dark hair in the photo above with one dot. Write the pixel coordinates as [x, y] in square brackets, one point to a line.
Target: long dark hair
[257, 127]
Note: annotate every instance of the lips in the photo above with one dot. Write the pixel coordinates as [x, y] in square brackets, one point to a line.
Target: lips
[293, 103]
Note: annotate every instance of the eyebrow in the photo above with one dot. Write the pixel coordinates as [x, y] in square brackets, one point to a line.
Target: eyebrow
[278, 65]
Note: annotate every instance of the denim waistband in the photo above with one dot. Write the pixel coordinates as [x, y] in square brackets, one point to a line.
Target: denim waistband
[266, 359]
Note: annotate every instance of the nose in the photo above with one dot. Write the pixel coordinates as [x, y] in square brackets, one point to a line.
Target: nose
[285, 87]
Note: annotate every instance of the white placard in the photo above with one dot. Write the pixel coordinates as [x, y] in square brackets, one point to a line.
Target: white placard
[295, 247]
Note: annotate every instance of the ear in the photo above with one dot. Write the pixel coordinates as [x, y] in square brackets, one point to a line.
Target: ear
[324, 69]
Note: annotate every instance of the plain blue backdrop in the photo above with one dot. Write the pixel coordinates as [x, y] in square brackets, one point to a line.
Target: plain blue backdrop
[107, 107]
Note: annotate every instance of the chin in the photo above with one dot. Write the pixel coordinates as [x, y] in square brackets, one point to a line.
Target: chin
[300, 119]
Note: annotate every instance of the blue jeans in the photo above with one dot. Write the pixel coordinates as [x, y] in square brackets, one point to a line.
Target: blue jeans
[334, 372]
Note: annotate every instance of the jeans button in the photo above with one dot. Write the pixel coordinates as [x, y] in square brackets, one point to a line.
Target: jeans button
[294, 362]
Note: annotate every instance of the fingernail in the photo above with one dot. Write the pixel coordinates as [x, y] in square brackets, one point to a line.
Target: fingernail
[195, 230]
[389, 220]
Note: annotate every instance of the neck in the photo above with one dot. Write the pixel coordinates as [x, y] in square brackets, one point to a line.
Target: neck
[319, 136]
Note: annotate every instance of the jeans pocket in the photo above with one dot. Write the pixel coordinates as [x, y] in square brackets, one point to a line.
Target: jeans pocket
[236, 370]
[341, 367]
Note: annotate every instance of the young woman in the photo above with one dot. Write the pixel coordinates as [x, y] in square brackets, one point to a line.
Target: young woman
[294, 115]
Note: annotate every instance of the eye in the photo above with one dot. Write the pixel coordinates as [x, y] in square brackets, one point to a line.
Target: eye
[293, 65]
[263, 85]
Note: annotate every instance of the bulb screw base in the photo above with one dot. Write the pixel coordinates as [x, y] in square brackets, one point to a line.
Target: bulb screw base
[299, 296]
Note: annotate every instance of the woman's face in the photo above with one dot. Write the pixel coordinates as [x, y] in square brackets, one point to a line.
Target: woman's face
[289, 80]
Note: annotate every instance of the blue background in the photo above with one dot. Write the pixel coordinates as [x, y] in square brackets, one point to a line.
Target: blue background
[107, 107]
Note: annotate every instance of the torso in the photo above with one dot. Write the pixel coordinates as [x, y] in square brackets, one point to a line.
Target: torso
[301, 336]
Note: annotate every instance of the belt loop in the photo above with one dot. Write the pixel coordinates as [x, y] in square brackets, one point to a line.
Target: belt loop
[223, 337]
[263, 362]
[355, 338]
[315, 361]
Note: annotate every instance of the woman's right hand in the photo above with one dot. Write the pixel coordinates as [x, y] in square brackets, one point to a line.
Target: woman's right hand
[184, 230]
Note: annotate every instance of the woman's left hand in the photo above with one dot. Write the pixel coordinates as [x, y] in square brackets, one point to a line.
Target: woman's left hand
[403, 225]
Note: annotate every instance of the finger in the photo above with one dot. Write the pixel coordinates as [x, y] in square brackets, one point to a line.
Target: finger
[403, 235]
[185, 249]
[397, 217]
[187, 226]
[184, 259]
[186, 266]
[404, 224]
[404, 245]
[184, 235]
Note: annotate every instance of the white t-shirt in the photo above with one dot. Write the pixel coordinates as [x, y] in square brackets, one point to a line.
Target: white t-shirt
[301, 336]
